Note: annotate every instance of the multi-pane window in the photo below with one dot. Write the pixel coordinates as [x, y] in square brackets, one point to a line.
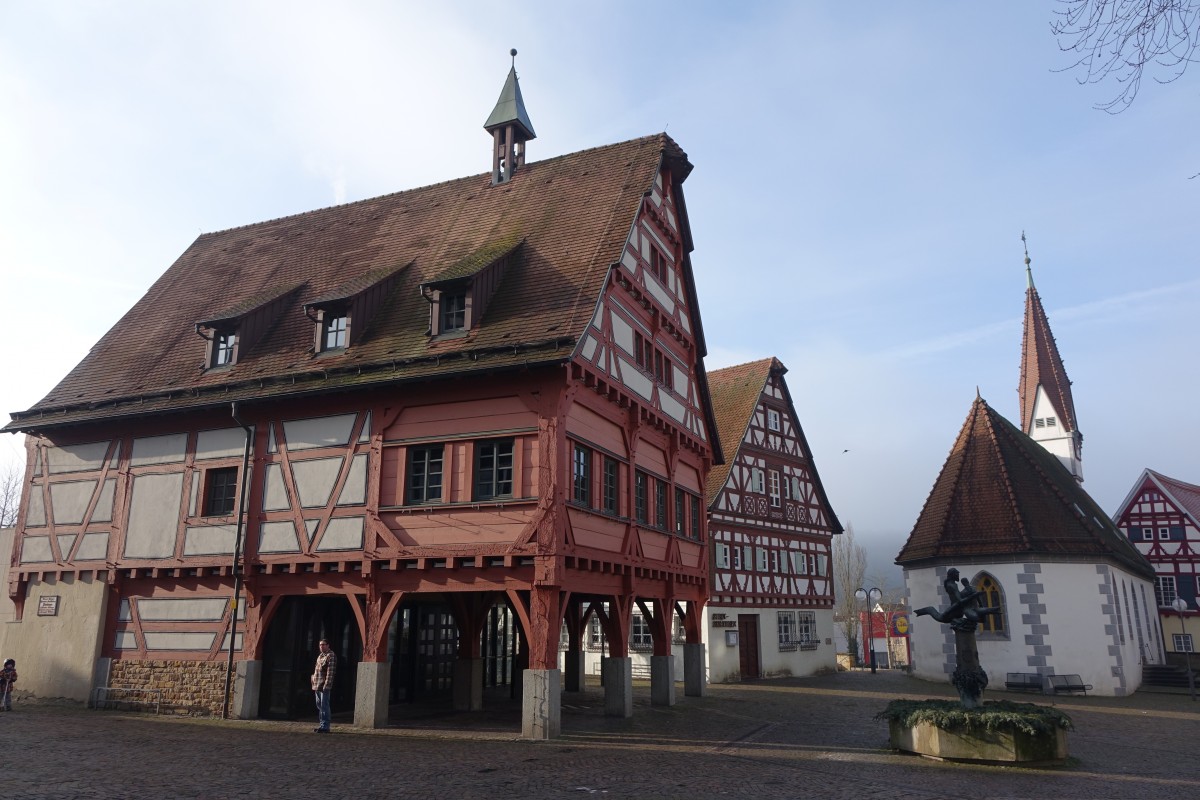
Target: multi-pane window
[993, 623]
[787, 630]
[335, 325]
[1164, 590]
[680, 512]
[722, 556]
[653, 360]
[757, 480]
[425, 474]
[1164, 534]
[774, 486]
[660, 503]
[220, 491]
[612, 486]
[1182, 642]
[453, 312]
[760, 558]
[640, 637]
[806, 626]
[774, 556]
[494, 469]
[772, 419]
[224, 346]
[658, 264]
[641, 496]
[737, 557]
[581, 473]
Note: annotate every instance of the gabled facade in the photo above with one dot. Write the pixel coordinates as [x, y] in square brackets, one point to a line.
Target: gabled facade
[1161, 517]
[771, 525]
[1076, 596]
[417, 425]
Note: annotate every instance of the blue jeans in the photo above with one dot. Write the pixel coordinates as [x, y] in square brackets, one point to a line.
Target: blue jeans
[323, 708]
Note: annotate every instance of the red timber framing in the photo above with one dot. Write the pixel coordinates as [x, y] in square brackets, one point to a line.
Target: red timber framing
[549, 457]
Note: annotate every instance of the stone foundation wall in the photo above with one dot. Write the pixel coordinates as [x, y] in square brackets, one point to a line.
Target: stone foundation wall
[190, 688]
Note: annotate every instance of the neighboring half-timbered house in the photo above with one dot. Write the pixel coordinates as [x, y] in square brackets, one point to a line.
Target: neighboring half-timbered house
[771, 527]
[431, 427]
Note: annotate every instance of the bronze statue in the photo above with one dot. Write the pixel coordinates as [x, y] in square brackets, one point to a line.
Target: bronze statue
[963, 615]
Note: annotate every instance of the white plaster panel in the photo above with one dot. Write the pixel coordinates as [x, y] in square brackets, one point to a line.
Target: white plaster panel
[190, 609]
[104, 506]
[622, 333]
[271, 437]
[354, 492]
[94, 547]
[209, 539]
[76, 457]
[365, 434]
[682, 383]
[685, 323]
[158, 449]
[310, 526]
[36, 550]
[671, 406]
[65, 541]
[629, 261]
[125, 640]
[303, 434]
[645, 247]
[275, 498]
[656, 197]
[278, 537]
[343, 533]
[36, 516]
[589, 347]
[222, 443]
[598, 317]
[633, 377]
[671, 219]
[660, 293]
[194, 497]
[314, 479]
[179, 640]
[225, 643]
[70, 501]
[153, 516]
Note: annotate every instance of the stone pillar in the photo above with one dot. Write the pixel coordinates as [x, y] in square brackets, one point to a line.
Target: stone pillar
[618, 686]
[541, 704]
[247, 680]
[695, 683]
[575, 666]
[662, 680]
[371, 694]
[468, 684]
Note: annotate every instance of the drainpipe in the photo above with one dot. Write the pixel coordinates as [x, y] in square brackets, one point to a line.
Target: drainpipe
[237, 556]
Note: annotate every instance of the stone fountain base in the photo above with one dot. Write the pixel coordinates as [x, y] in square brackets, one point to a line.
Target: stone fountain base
[1008, 746]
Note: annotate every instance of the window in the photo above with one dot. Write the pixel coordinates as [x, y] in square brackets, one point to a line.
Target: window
[737, 557]
[453, 308]
[787, 630]
[334, 327]
[658, 264]
[425, 474]
[757, 481]
[760, 559]
[220, 491]
[722, 556]
[992, 598]
[653, 360]
[1182, 642]
[772, 419]
[806, 627]
[1147, 533]
[612, 486]
[582, 476]
[774, 556]
[796, 488]
[774, 474]
[224, 347]
[641, 496]
[494, 469]
[660, 503]
[800, 563]
[680, 512]
[640, 637]
[1164, 534]
[1164, 590]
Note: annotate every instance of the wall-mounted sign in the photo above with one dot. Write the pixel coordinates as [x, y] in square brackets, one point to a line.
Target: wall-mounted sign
[48, 605]
[731, 638]
[724, 623]
[900, 624]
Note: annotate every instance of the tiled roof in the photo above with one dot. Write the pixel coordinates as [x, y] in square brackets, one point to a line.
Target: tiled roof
[1185, 494]
[1001, 495]
[1041, 364]
[572, 212]
[735, 392]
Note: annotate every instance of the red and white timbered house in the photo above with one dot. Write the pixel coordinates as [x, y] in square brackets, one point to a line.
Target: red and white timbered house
[435, 427]
[771, 527]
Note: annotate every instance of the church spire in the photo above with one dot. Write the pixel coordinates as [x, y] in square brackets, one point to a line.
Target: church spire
[1047, 408]
[510, 128]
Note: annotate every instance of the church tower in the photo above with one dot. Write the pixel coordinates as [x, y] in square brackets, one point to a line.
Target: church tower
[1047, 409]
[510, 128]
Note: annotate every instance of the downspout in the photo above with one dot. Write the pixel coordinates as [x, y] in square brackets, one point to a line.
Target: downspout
[237, 556]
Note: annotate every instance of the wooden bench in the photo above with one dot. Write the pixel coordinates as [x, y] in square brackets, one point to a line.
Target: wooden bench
[1023, 682]
[1068, 684]
[119, 697]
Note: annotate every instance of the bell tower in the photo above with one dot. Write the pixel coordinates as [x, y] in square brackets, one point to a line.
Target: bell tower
[510, 128]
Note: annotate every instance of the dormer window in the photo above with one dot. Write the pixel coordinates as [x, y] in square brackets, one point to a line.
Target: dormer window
[231, 334]
[458, 295]
[224, 349]
[453, 311]
[335, 328]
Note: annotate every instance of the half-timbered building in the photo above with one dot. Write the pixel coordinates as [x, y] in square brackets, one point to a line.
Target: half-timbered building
[432, 427]
[1161, 517]
[771, 528]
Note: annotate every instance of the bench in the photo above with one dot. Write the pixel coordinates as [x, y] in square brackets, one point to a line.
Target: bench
[119, 697]
[1023, 681]
[1068, 683]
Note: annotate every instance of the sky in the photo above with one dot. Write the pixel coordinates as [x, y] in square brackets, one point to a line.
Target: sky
[863, 174]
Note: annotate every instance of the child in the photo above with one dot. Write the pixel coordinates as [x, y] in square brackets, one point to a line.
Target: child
[8, 676]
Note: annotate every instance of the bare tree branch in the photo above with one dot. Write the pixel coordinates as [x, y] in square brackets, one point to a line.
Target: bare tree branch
[1121, 38]
[849, 567]
[10, 495]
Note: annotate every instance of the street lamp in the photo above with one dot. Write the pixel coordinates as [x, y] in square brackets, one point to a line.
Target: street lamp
[868, 595]
[1181, 605]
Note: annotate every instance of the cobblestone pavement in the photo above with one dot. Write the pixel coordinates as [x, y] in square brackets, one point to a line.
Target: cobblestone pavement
[809, 737]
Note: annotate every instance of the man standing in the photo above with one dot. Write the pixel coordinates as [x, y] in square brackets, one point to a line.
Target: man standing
[322, 684]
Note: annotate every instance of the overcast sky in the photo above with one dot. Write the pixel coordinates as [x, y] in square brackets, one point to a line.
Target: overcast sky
[863, 173]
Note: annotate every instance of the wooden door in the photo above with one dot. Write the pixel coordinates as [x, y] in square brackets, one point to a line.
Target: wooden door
[748, 646]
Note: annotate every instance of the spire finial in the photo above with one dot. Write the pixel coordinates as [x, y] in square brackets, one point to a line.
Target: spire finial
[1028, 271]
[513, 53]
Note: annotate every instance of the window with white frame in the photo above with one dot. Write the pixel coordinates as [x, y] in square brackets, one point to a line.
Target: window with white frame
[772, 419]
[640, 637]
[1147, 534]
[1164, 590]
[796, 488]
[787, 630]
[722, 556]
[774, 557]
[1182, 642]
[1164, 534]
[774, 474]
[757, 481]
[806, 627]
[760, 558]
[799, 563]
[737, 557]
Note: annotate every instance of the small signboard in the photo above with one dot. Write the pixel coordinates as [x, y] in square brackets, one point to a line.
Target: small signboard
[48, 605]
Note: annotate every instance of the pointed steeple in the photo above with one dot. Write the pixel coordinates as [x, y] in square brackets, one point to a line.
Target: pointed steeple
[1047, 408]
[510, 128]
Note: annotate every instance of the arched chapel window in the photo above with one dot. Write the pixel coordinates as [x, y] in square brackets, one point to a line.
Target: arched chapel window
[987, 586]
